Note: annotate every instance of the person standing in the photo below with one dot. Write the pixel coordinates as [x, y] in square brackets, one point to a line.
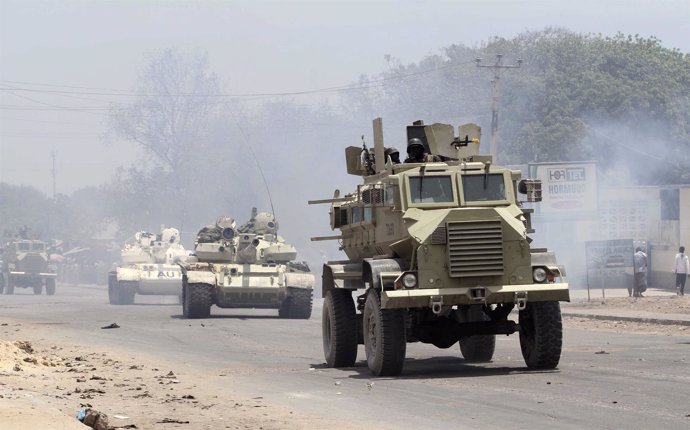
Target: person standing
[640, 272]
[682, 270]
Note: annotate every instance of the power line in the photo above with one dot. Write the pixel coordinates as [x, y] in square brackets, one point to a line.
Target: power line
[340, 88]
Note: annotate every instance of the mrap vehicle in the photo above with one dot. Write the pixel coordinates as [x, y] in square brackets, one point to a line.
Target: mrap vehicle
[437, 252]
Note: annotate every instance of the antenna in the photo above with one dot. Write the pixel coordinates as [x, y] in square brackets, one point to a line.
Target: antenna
[256, 160]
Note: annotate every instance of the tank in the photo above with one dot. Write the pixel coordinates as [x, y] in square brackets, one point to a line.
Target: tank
[25, 264]
[250, 266]
[438, 252]
[149, 266]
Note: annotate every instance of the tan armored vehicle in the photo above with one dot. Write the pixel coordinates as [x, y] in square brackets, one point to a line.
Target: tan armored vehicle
[149, 267]
[25, 265]
[438, 252]
[246, 267]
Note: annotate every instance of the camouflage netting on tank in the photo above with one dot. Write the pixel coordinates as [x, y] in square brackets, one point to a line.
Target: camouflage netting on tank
[209, 234]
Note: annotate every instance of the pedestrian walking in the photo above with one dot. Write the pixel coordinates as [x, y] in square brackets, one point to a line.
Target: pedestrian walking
[681, 268]
[640, 272]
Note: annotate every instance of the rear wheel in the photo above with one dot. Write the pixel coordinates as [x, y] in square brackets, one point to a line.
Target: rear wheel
[9, 288]
[2, 282]
[541, 334]
[339, 328]
[384, 337]
[38, 289]
[196, 300]
[297, 304]
[478, 348]
[50, 286]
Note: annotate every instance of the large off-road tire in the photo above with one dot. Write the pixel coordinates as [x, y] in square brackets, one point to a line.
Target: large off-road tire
[478, 348]
[9, 288]
[50, 287]
[197, 300]
[113, 290]
[339, 328]
[38, 289]
[541, 334]
[384, 337]
[126, 290]
[297, 304]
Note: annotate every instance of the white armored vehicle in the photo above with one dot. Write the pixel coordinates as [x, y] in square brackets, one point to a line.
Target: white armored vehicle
[149, 267]
[246, 267]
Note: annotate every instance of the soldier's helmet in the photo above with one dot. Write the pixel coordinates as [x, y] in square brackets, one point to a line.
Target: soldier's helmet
[391, 150]
[265, 223]
[414, 143]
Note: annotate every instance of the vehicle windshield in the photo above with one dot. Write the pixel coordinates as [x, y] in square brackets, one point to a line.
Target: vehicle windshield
[37, 247]
[482, 188]
[431, 189]
[23, 246]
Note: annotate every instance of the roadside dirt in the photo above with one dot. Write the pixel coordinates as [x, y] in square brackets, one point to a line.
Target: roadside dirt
[43, 385]
[649, 306]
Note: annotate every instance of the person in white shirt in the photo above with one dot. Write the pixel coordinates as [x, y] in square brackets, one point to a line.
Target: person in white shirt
[640, 259]
[682, 270]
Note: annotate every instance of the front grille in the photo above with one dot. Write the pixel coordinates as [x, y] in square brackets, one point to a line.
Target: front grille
[32, 263]
[475, 248]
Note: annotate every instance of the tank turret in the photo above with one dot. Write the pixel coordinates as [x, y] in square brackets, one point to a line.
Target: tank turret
[216, 242]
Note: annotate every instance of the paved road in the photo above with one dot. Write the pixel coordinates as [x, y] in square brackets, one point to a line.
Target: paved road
[605, 380]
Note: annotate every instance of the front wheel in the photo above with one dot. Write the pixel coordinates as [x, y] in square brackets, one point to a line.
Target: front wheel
[196, 300]
[9, 288]
[113, 291]
[50, 287]
[339, 328]
[384, 337]
[541, 334]
[297, 304]
[38, 289]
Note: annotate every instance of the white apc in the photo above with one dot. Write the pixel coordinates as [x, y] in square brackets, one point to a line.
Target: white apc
[149, 267]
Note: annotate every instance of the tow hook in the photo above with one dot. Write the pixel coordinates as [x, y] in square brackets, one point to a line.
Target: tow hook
[521, 300]
[436, 304]
[478, 294]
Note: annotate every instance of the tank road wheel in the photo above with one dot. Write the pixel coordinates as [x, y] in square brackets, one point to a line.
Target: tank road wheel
[38, 289]
[339, 328]
[478, 348]
[113, 291]
[541, 334]
[197, 300]
[50, 286]
[126, 292]
[384, 337]
[297, 304]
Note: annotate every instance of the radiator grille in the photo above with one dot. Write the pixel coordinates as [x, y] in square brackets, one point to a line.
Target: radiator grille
[475, 248]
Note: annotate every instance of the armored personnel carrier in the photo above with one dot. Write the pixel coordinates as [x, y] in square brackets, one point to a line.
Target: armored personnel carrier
[246, 267]
[149, 267]
[25, 265]
[438, 252]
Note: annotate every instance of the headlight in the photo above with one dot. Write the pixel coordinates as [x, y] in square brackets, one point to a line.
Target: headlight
[539, 274]
[409, 280]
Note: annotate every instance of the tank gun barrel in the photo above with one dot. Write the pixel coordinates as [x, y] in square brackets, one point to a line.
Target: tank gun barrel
[247, 254]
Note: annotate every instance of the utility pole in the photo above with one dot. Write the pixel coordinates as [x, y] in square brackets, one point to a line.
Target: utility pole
[496, 98]
[52, 154]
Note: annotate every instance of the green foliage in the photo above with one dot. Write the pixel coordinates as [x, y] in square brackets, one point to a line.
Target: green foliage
[576, 97]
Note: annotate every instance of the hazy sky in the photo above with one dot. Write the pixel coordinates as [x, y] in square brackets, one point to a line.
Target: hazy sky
[254, 46]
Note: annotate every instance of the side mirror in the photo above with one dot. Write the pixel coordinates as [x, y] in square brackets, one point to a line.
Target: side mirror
[531, 188]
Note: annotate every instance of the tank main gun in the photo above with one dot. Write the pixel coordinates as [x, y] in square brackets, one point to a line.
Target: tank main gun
[248, 244]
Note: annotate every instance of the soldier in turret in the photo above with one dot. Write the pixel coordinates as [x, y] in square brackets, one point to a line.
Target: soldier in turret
[392, 156]
[416, 154]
